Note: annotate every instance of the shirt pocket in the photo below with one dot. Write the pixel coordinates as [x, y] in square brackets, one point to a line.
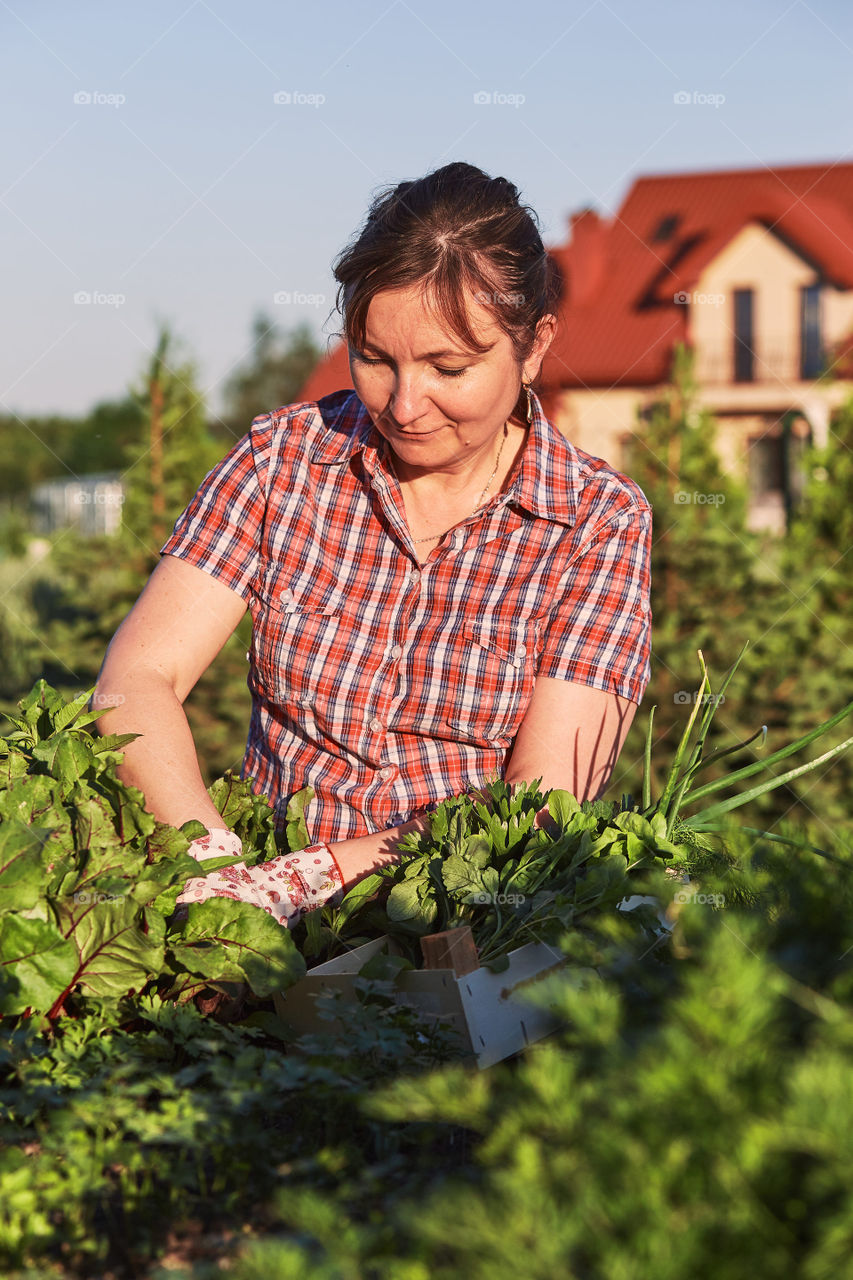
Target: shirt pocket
[496, 663]
[298, 622]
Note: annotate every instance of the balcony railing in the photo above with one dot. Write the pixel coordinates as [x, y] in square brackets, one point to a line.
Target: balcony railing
[771, 364]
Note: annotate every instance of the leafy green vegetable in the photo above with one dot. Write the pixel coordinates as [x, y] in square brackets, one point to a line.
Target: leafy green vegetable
[89, 878]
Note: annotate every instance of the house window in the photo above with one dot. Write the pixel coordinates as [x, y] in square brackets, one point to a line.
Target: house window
[627, 456]
[766, 459]
[776, 470]
[811, 348]
[744, 358]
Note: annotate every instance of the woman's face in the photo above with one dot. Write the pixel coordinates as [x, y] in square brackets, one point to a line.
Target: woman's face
[437, 403]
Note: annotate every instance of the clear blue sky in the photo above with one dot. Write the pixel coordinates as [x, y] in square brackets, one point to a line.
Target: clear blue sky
[198, 198]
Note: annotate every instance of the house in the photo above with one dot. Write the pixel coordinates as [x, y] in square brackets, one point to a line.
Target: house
[91, 504]
[752, 269]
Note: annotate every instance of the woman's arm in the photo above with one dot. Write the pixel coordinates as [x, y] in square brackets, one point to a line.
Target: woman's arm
[180, 622]
[570, 737]
[361, 855]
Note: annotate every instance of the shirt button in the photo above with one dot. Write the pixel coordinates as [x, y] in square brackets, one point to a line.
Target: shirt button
[396, 652]
[520, 651]
[414, 577]
[387, 772]
[376, 724]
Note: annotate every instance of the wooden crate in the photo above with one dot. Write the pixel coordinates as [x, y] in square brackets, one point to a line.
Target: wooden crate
[488, 1011]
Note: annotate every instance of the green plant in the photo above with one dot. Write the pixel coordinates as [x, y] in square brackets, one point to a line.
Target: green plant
[484, 863]
[89, 879]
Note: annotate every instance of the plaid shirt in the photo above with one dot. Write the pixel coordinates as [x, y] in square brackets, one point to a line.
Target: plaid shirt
[386, 685]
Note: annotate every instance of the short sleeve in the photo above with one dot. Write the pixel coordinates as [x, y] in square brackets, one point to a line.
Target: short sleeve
[220, 530]
[599, 633]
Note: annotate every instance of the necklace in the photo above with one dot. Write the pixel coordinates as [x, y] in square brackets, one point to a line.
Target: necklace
[432, 536]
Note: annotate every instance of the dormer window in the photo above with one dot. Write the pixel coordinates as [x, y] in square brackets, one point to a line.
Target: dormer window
[665, 229]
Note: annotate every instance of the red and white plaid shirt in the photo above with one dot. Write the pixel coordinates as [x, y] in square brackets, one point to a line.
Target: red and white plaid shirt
[387, 685]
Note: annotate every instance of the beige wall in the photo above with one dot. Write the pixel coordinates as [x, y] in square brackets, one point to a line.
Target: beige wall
[837, 313]
[596, 421]
[755, 259]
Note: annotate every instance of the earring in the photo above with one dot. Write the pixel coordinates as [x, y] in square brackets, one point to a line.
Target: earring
[529, 414]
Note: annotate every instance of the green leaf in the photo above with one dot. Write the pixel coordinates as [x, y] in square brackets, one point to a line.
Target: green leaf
[462, 876]
[562, 806]
[604, 877]
[112, 743]
[225, 939]
[412, 904]
[295, 826]
[315, 932]
[36, 964]
[166, 843]
[94, 824]
[22, 865]
[657, 822]
[404, 901]
[759, 766]
[66, 756]
[39, 700]
[357, 896]
[72, 710]
[479, 850]
[637, 824]
[114, 955]
[701, 820]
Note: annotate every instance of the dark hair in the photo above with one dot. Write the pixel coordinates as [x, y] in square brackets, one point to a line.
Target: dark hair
[454, 229]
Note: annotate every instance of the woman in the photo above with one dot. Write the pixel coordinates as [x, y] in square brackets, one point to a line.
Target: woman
[442, 588]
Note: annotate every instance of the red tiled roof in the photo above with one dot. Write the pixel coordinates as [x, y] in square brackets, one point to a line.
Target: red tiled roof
[331, 374]
[626, 333]
[619, 320]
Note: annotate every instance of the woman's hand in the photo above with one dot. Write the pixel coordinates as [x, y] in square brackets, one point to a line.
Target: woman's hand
[284, 887]
[544, 820]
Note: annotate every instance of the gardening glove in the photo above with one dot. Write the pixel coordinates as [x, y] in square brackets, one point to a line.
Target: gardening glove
[284, 887]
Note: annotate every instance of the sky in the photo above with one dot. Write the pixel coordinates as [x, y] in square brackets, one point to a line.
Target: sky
[199, 161]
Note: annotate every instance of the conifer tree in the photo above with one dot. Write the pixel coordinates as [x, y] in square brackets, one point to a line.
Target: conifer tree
[716, 585]
[177, 450]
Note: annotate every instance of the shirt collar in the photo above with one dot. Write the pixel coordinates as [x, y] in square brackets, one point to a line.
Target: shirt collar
[547, 483]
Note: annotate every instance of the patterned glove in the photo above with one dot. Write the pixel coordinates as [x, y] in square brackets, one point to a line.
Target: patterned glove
[284, 887]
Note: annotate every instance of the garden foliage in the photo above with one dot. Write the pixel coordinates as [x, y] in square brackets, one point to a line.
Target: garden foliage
[689, 1117]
